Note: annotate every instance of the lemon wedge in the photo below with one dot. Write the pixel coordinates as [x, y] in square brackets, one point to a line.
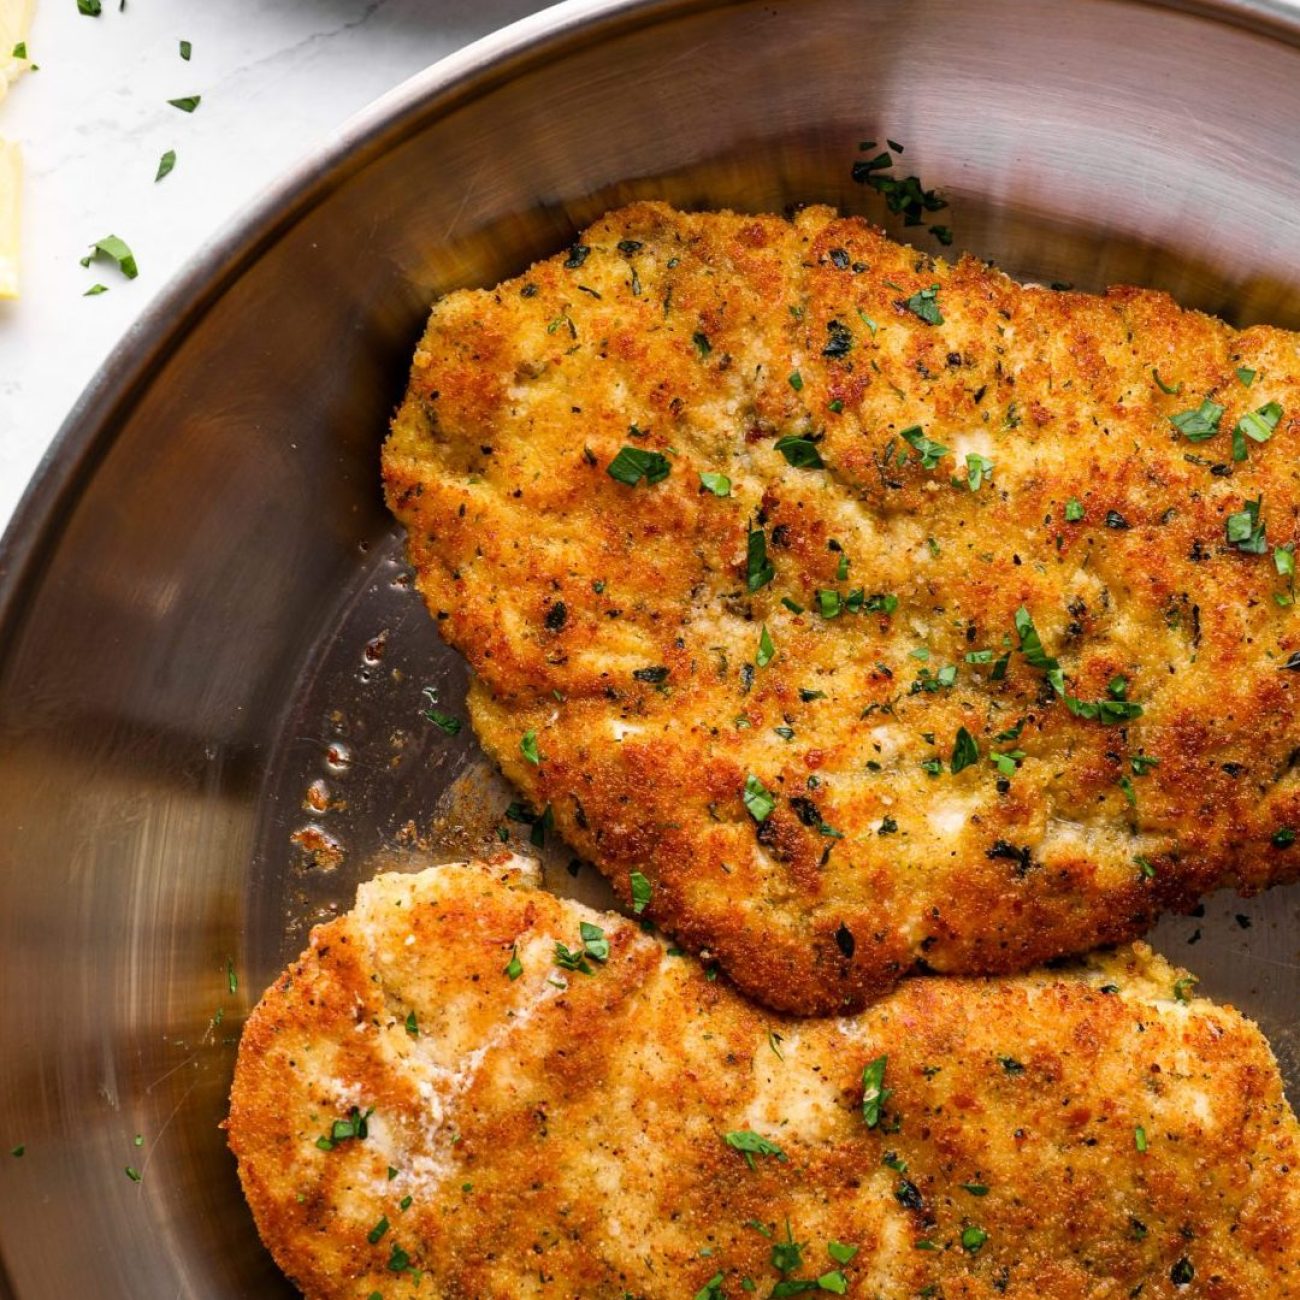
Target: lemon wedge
[15, 22]
[11, 169]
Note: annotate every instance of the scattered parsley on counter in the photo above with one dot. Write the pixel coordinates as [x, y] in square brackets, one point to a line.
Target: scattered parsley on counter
[187, 103]
[116, 250]
[165, 165]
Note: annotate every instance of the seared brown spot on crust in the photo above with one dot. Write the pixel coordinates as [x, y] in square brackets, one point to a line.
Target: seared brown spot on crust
[1057, 390]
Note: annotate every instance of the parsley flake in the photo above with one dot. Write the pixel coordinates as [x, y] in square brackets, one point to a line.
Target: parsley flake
[924, 304]
[1245, 529]
[718, 484]
[757, 800]
[632, 464]
[187, 103]
[766, 649]
[931, 452]
[978, 468]
[758, 568]
[165, 165]
[874, 1092]
[640, 892]
[965, 752]
[528, 747]
[802, 453]
[116, 250]
[751, 1144]
[1200, 424]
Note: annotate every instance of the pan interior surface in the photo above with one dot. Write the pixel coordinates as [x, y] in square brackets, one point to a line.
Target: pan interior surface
[211, 659]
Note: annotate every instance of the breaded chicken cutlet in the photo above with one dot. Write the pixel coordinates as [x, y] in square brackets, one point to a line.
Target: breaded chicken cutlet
[467, 1087]
[874, 613]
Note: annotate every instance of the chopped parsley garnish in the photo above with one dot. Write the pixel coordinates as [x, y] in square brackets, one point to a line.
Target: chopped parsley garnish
[1246, 376]
[1126, 786]
[95, 290]
[578, 254]
[528, 747]
[841, 1253]
[965, 752]
[187, 103]
[1256, 425]
[1245, 529]
[1164, 387]
[115, 250]
[796, 381]
[758, 568]
[165, 165]
[640, 892]
[808, 696]
[874, 1092]
[978, 468]
[132, 1173]
[90, 8]
[1140, 1138]
[751, 1144]
[398, 1260]
[802, 453]
[880, 603]
[1144, 866]
[1073, 511]
[514, 968]
[766, 649]
[702, 344]
[186, 50]
[829, 603]
[594, 943]
[712, 1289]
[632, 464]
[1007, 764]
[345, 1130]
[718, 484]
[972, 1238]
[1200, 424]
[574, 959]
[232, 980]
[975, 1189]
[20, 50]
[412, 1025]
[1184, 988]
[925, 305]
[1031, 645]
[1143, 763]
[443, 721]
[930, 452]
[787, 1255]
[18, 1152]
[375, 1235]
[757, 799]
[1182, 1272]
[1283, 838]
[655, 674]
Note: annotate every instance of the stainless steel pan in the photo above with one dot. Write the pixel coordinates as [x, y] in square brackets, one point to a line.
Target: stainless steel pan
[194, 595]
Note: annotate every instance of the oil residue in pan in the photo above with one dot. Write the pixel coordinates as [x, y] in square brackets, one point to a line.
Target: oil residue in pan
[360, 781]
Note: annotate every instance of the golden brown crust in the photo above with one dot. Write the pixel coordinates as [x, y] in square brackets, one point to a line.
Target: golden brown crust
[707, 334]
[562, 1134]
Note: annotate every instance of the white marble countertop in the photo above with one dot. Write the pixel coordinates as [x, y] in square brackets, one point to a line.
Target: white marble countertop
[276, 78]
